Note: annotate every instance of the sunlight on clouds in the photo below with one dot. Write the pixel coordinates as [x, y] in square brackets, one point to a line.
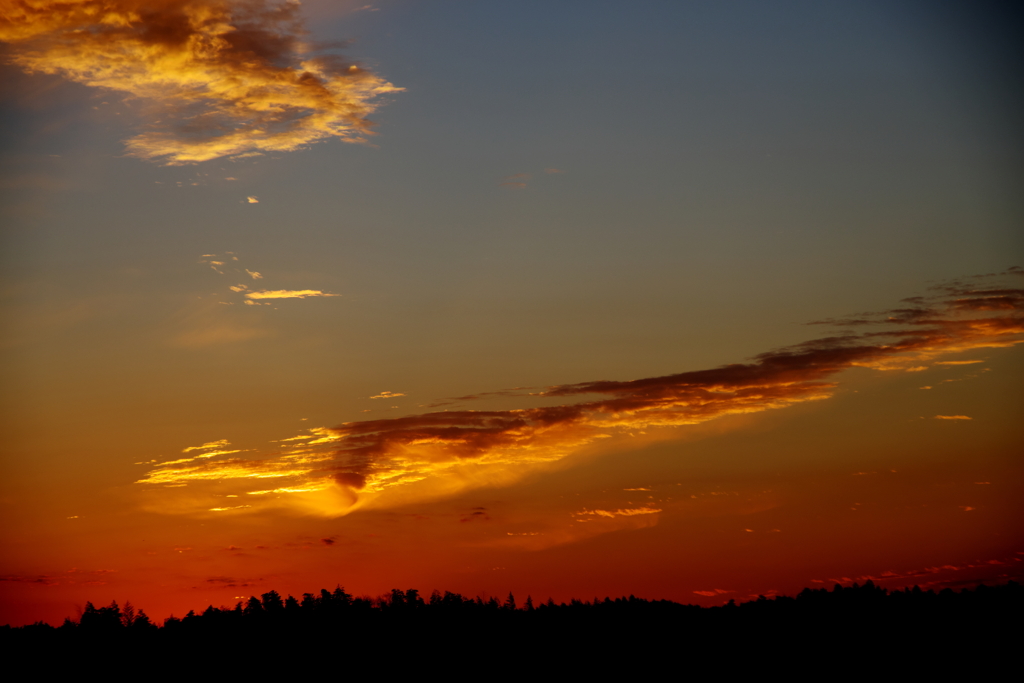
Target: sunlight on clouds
[205, 446]
[621, 512]
[387, 394]
[398, 460]
[221, 265]
[287, 294]
[223, 78]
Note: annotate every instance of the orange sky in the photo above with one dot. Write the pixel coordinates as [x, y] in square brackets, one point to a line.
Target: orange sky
[420, 314]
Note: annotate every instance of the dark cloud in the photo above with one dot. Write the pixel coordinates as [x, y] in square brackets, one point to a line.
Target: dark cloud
[39, 579]
[228, 582]
[220, 77]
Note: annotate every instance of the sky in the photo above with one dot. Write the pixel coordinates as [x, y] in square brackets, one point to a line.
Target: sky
[696, 301]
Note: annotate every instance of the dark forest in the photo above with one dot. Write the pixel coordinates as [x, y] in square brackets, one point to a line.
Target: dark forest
[406, 625]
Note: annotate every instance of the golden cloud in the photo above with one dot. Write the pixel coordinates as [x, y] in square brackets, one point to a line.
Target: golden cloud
[454, 449]
[621, 512]
[286, 294]
[223, 78]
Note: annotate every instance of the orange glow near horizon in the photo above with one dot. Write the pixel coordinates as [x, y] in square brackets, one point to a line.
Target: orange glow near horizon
[539, 325]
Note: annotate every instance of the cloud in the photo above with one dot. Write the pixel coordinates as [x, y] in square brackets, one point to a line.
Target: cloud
[443, 451]
[287, 294]
[229, 262]
[206, 446]
[514, 391]
[627, 512]
[211, 260]
[220, 78]
[952, 417]
[229, 581]
[40, 579]
[212, 450]
[977, 572]
[478, 514]
[252, 200]
[387, 394]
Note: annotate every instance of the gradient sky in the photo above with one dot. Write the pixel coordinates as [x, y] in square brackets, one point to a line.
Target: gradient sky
[694, 301]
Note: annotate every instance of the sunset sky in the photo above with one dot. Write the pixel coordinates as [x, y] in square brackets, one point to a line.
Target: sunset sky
[573, 298]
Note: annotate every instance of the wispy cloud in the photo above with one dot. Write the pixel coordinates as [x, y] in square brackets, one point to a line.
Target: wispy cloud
[207, 446]
[516, 180]
[376, 455]
[40, 579]
[287, 294]
[969, 574]
[510, 393]
[621, 512]
[952, 417]
[229, 263]
[209, 450]
[222, 78]
[387, 394]
[216, 262]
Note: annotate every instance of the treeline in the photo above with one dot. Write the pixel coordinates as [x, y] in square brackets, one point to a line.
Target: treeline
[417, 625]
[339, 608]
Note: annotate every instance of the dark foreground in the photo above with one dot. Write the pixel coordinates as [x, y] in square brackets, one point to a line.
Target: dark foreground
[819, 633]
